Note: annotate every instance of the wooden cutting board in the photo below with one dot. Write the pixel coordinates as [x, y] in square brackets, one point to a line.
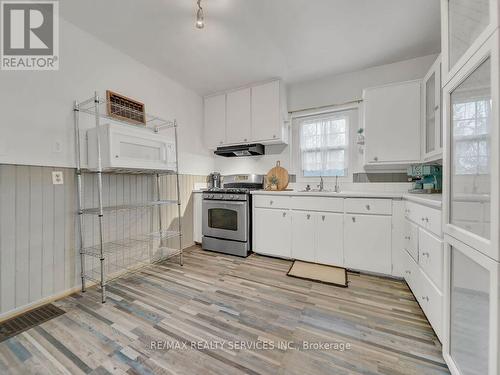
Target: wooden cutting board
[282, 175]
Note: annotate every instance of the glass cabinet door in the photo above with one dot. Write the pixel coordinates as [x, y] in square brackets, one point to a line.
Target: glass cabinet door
[469, 314]
[470, 164]
[430, 114]
[467, 19]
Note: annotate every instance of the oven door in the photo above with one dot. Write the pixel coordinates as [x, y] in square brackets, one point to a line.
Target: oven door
[227, 220]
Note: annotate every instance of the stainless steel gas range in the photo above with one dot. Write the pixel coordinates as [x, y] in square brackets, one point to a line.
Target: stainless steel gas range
[227, 215]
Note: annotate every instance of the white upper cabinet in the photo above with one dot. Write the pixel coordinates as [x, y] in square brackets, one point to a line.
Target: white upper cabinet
[267, 123]
[432, 128]
[215, 121]
[238, 116]
[392, 123]
[255, 114]
[465, 25]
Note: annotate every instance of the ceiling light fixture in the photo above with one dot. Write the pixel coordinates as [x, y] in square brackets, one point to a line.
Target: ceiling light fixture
[200, 17]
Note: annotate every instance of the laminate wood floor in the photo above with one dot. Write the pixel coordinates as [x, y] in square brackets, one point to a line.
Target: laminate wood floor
[197, 319]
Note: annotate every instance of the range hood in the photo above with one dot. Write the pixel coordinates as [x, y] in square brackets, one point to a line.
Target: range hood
[240, 150]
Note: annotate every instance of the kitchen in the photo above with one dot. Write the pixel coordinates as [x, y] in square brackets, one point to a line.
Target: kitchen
[324, 198]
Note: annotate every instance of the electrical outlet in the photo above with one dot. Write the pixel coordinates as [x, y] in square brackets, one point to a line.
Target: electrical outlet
[57, 178]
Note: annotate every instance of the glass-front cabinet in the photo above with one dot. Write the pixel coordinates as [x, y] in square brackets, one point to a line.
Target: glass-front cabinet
[432, 125]
[471, 347]
[466, 25]
[471, 211]
[471, 170]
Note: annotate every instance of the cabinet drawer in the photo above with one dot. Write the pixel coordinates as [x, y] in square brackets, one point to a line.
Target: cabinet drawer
[431, 301]
[411, 273]
[368, 206]
[427, 217]
[411, 239]
[430, 249]
[318, 204]
[269, 201]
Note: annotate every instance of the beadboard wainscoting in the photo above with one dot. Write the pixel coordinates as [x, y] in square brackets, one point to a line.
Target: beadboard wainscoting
[38, 226]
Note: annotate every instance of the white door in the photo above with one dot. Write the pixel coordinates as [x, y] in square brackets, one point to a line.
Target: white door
[303, 233]
[238, 126]
[367, 243]
[215, 121]
[272, 232]
[330, 239]
[266, 112]
[432, 127]
[197, 217]
[392, 117]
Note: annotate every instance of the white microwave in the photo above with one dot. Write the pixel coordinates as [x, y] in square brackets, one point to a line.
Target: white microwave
[126, 147]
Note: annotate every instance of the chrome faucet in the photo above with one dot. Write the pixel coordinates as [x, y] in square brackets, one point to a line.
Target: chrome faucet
[337, 187]
[321, 183]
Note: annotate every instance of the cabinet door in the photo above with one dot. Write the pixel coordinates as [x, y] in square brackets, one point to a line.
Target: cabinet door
[367, 243]
[215, 121]
[303, 235]
[197, 217]
[238, 116]
[272, 232]
[432, 128]
[266, 118]
[473, 162]
[330, 239]
[392, 117]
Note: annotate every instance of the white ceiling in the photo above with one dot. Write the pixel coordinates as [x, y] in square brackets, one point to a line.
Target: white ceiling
[251, 40]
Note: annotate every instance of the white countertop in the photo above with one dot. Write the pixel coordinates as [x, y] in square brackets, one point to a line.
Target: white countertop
[431, 200]
[342, 194]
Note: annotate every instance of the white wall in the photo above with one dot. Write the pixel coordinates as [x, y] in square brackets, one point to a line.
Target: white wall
[327, 91]
[36, 107]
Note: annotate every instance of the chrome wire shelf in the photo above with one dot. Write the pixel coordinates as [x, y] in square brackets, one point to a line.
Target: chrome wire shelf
[152, 122]
[160, 172]
[115, 271]
[138, 242]
[133, 206]
[108, 249]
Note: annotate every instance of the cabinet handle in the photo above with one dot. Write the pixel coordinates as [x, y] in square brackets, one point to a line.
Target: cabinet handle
[284, 214]
[353, 219]
[425, 298]
[436, 108]
[408, 272]
[308, 216]
[368, 207]
[422, 219]
[426, 254]
[274, 135]
[271, 203]
[116, 156]
[375, 158]
[245, 140]
[323, 217]
[427, 219]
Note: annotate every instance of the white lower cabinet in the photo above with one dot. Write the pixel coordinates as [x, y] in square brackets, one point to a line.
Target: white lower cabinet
[303, 235]
[424, 261]
[330, 238]
[318, 237]
[197, 217]
[367, 243]
[272, 232]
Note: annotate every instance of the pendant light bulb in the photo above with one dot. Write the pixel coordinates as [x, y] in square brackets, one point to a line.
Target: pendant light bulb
[200, 17]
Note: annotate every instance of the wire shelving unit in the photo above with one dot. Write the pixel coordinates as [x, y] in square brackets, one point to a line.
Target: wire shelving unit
[105, 256]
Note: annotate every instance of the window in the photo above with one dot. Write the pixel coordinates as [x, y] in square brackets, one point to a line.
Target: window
[471, 136]
[324, 144]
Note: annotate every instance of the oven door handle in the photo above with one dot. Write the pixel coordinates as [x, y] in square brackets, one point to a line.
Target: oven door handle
[232, 203]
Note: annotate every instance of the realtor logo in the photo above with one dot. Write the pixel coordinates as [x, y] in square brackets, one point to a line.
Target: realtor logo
[29, 35]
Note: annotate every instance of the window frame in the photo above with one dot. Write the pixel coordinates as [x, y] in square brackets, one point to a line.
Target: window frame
[344, 114]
